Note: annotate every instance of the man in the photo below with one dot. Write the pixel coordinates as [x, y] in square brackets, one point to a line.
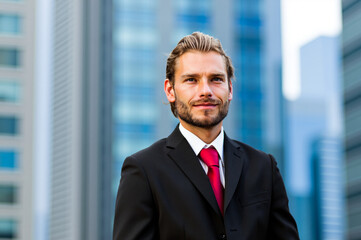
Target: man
[199, 184]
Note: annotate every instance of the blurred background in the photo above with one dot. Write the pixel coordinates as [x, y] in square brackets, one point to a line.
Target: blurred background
[81, 88]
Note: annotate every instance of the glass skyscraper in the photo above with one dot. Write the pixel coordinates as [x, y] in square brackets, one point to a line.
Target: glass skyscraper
[248, 60]
[313, 151]
[328, 208]
[135, 39]
[351, 56]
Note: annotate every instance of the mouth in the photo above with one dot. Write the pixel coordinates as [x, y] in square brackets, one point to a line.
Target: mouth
[205, 105]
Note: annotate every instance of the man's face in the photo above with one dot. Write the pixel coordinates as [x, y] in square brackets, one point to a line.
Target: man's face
[201, 91]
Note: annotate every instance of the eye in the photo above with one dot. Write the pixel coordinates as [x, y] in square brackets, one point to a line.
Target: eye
[190, 80]
[217, 79]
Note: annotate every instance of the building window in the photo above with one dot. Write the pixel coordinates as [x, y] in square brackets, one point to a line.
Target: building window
[8, 229]
[9, 125]
[8, 160]
[8, 194]
[9, 91]
[9, 57]
[10, 24]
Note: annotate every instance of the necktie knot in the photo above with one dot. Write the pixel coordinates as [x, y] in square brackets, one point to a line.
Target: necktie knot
[209, 156]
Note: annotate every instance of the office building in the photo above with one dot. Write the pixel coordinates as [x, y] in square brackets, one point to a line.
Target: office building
[351, 56]
[81, 121]
[17, 43]
[314, 129]
[328, 208]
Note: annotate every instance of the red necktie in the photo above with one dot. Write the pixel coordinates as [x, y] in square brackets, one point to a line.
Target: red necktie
[210, 157]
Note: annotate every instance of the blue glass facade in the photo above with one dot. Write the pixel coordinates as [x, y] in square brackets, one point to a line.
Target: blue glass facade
[329, 193]
[134, 113]
[351, 57]
[313, 150]
[247, 59]
[191, 16]
[8, 160]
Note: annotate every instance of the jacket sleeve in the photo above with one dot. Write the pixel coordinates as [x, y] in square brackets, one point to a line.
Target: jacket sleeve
[134, 208]
[282, 225]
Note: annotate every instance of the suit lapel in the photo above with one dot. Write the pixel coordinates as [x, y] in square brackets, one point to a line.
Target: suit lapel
[182, 154]
[233, 163]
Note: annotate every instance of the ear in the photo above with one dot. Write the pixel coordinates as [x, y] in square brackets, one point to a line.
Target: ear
[169, 90]
[230, 95]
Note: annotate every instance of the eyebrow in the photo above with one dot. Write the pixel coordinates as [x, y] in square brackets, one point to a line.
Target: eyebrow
[189, 75]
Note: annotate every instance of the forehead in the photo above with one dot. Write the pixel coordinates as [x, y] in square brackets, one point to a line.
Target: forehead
[199, 62]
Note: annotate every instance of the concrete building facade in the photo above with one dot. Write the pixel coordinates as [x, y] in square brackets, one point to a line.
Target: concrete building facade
[17, 78]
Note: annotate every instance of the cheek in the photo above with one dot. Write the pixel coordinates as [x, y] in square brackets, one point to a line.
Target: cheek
[185, 95]
[223, 93]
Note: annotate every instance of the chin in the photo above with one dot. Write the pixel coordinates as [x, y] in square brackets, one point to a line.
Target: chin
[207, 122]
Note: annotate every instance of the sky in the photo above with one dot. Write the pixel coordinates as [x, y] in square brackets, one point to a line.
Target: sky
[303, 21]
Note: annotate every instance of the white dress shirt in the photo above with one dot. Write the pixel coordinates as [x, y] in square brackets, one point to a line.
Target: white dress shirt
[197, 145]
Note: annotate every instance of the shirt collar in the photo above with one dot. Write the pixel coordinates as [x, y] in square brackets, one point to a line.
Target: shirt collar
[197, 144]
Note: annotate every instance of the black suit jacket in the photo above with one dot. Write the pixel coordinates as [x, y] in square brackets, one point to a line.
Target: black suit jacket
[165, 194]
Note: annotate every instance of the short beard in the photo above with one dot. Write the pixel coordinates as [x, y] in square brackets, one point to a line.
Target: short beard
[184, 113]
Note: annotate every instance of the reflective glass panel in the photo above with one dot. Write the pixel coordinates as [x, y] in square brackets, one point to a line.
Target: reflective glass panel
[9, 91]
[8, 194]
[8, 160]
[8, 228]
[10, 24]
[9, 125]
[9, 57]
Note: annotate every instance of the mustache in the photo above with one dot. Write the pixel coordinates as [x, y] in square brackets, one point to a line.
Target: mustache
[208, 101]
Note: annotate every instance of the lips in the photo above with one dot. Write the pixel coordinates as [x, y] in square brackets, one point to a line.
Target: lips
[206, 105]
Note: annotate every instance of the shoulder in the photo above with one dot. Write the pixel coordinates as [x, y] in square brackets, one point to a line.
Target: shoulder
[160, 148]
[145, 160]
[249, 155]
[153, 150]
[246, 149]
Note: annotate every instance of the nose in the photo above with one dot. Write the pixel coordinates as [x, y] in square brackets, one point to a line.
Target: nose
[205, 89]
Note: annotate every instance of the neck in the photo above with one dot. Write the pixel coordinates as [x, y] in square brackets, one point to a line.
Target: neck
[207, 135]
